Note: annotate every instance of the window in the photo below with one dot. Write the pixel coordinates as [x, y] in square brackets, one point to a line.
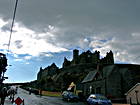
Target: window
[98, 90]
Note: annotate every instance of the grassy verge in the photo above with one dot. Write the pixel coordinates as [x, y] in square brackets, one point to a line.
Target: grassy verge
[52, 94]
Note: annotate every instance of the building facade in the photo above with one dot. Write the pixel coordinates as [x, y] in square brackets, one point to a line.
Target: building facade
[112, 80]
[133, 95]
[92, 75]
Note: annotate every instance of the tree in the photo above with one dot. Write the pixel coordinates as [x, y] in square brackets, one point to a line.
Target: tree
[3, 64]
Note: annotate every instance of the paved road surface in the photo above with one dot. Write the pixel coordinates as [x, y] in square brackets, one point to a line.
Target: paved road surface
[44, 100]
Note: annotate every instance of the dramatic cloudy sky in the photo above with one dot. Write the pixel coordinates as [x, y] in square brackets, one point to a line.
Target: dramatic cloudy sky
[47, 30]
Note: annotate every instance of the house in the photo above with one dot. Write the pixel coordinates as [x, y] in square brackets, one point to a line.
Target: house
[91, 75]
[106, 81]
[112, 81]
[133, 95]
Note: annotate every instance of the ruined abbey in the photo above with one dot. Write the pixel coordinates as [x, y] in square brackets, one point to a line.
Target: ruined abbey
[91, 74]
[89, 57]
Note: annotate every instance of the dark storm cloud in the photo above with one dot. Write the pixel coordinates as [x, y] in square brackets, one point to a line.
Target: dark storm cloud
[44, 28]
[81, 22]
[6, 28]
[18, 44]
[79, 13]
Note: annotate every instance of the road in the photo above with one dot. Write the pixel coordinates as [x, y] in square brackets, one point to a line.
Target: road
[43, 100]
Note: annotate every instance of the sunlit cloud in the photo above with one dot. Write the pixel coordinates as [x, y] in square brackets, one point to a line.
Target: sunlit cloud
[27, 63]
[18, 60]
[48, 55]
[26, 41]
[2, 23]
[39, 33]
[27, 57]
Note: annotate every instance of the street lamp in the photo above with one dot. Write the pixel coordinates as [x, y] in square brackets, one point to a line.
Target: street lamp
[90, 89]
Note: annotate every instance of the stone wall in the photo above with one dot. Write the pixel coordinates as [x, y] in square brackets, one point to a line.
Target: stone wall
[133, 96]
[88, 57]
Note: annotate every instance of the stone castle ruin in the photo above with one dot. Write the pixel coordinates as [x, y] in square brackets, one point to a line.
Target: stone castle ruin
[88, 57]
[91, 74]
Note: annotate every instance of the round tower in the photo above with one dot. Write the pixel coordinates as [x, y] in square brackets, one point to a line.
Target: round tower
[75, 56]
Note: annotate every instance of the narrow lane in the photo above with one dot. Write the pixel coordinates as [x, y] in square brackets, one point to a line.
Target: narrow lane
[43, 100]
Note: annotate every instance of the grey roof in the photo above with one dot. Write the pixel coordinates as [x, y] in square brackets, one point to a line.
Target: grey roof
[90, 76]
[108, 70]
[138, 84]
[57, 77]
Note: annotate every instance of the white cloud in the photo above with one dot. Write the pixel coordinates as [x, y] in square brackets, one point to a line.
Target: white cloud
[51, 27]
[2, 23]
[48, 55]
[26, 41]
[27, 63]
[18, 60]
[15, 55]
[27, 57]
[96, 24]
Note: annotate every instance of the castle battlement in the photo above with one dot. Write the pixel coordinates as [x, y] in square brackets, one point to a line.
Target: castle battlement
[88, 57]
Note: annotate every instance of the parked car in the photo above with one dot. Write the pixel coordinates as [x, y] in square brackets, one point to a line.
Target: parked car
[69, 96]
[35, 91]
[98, 99]
[32, 90]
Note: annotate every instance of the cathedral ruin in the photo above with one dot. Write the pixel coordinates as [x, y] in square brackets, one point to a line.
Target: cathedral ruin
[91, 74]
